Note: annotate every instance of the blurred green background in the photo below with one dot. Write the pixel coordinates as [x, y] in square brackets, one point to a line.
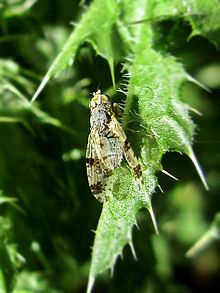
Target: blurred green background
[47, 212]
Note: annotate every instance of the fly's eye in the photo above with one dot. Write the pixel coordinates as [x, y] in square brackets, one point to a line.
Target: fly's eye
[104, 99]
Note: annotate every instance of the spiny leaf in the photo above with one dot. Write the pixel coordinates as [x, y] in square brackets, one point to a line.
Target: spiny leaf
[154, 92]
[203, 16]
[112, 42]
[156, 82]
[98, 26]
[205, 20]
[114, 230]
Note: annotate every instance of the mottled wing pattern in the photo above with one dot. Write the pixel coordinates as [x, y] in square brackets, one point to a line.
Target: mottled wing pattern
[97, 172]
[127, 149]
[110, 151]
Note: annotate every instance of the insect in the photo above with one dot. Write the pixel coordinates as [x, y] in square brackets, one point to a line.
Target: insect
[107, 147]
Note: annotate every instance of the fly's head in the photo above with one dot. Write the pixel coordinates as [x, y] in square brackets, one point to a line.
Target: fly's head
[99, 100]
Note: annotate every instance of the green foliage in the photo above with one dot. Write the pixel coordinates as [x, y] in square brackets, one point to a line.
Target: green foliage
[48, 212]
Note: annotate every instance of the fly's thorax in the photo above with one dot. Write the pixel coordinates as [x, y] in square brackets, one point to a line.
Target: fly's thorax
[101, 113]
[99, 119]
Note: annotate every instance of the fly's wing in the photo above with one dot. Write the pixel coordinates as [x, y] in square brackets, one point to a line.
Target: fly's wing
[128, 152]
[109, 150]
[97, 173]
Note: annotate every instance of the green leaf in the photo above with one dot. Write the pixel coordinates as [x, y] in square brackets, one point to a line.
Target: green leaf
[116, 222]
[161, 110]
[98, 27]
[203, 16]
[205, 21]
[29, 282]
[16, 8]
[154, 93]
[112, 41]
[212, 235]
[19, 107]
[7, 266]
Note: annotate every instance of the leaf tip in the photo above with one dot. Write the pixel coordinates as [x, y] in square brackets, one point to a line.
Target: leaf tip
[192, 79]
[90, 284]
[133, 250]
[195, 111]
[40, 88]
[198, 169]
[201, 244]
[150, 209]
[111, 66]
[170, 175]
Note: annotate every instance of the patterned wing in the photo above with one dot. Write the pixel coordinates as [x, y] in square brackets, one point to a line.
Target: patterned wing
[128, 152]
[110, 151]
[97, 173]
